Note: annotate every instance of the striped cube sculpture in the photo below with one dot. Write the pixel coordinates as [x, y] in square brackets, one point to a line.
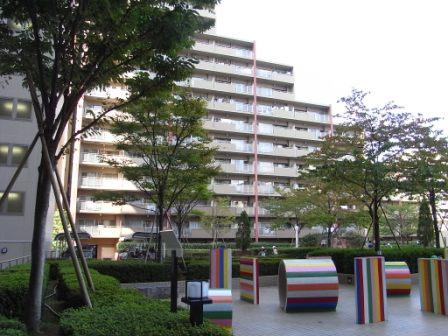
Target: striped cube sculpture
[398, 278]
[249, 276]
[370, 290]
[307, 285]
[219, 311]
[221, 268]
[433, 275]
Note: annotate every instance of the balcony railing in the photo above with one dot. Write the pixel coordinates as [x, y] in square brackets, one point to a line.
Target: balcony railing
[109, 183]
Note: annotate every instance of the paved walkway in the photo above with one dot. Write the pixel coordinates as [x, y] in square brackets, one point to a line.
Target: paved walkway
[404, 318]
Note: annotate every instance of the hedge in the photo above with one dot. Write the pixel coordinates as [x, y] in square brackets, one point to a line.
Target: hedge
[14, 289]
[121, 312]
[138, 271]
[11, 327]
[344, 258]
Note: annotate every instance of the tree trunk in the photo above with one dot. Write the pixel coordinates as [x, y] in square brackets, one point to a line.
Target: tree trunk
[376, 226]
[329, 236]
[34, 301]
[432, 203]
[160, 228]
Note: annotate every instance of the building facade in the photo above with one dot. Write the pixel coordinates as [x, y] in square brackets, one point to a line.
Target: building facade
[261, 131]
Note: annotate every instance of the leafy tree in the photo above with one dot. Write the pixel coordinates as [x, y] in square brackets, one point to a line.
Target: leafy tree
[364, 153]
[426, 167]
[219, 219]
[401, 219]
[332, 208]
[166, 133]
[289, 209]
[242, 238]
[63, 49]
[425, 232]
[185, 203]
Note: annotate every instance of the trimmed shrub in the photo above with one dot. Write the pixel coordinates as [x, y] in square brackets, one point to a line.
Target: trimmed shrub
[151, 318]
[11, 327]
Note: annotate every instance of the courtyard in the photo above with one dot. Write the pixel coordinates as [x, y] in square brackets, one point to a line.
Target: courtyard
[404, 317]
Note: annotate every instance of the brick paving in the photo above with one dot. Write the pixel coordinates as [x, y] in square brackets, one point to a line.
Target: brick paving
[404, 318]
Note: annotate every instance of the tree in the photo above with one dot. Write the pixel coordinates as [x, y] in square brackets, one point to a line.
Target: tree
[289, 209]
[219, 219]
[63, 49]
[184, 205]
[426, 167]
[242, 237]
[330, 207]
[364, 153]
[166, 133]
[401, 220]
[425, 232]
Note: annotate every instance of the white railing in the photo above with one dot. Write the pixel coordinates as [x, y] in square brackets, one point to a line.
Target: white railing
[13, 262]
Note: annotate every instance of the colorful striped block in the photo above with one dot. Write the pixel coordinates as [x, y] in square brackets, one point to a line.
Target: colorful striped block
[370, 290]
[307, 285]
[249, 280]
[219, 311]
[221, 268]
[398, 278]
[433, 275]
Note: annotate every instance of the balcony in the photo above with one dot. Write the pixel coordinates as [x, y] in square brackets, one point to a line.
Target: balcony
[235, 211]
[106, 183]
[243, 189]
[228, 127]
[212, 48]
[233, 148]
[110, 92]
[232, 168]
[100, 136]
[101, 231]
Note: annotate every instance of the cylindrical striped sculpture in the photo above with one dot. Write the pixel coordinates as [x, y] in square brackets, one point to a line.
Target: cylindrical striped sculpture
[219, 311]
[433, 275]
[249, 280]
[307, 285]
[370, 290]
[221, 268]
[398, 278]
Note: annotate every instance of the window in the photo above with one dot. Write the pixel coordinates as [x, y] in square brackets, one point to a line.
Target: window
[23, 109]
[15, 109]
[12, 155]
[14, 204]
[6, 108]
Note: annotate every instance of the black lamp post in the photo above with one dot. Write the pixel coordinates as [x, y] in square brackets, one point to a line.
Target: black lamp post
[196, 301]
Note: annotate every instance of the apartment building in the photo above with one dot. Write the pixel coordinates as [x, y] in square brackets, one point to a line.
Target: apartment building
[17, 130]
[261, 131]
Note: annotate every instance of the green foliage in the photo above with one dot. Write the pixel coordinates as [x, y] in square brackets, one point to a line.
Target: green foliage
[311, 240]
[425, 232]
[14, 289]
[401, 219]
[219, 219]
[176, 165]
[149, 318]
[243, 239]
[365, 153]
[119, 311]
[11, 327]
[353, 239]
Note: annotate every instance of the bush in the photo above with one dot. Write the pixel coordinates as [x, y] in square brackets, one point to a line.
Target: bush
[121, 312]
[150, 318]
[344, 258]
[311, 240]
[11, 327]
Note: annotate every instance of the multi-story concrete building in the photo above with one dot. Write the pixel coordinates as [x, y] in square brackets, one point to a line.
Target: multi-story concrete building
[261, 131]
[17, 130]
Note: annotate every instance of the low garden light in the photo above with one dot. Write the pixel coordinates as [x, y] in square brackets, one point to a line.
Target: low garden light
[196, 296]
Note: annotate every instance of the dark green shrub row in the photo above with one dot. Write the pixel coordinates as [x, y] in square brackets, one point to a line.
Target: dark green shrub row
[121, 312]
[132, 270]
[149, 318]
[344, 258]
[14, 289]
[11, 327]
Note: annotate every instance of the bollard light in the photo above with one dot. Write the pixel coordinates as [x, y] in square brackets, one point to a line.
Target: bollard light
[196, 295]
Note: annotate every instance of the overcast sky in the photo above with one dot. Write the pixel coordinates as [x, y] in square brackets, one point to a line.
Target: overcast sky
[397, 49]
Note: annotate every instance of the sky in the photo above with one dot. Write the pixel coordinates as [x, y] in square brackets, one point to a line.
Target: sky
[395, 49]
